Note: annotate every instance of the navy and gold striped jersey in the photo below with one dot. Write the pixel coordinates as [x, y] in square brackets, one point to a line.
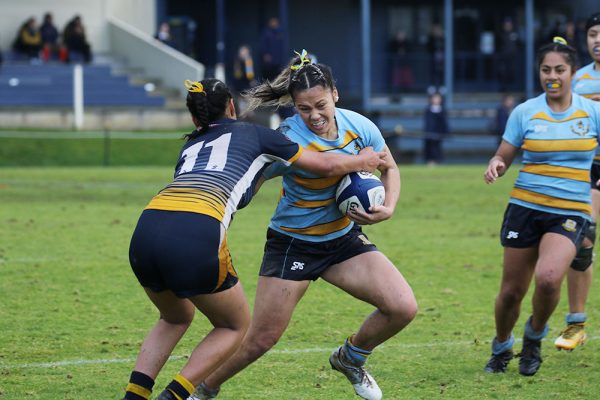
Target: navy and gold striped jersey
[587, 84]
[558, 149]
[307, 209]
[217, 171]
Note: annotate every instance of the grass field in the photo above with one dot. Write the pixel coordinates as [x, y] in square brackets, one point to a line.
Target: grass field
[72, 315]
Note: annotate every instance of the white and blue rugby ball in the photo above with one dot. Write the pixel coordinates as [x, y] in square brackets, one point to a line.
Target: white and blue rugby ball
[359, 190]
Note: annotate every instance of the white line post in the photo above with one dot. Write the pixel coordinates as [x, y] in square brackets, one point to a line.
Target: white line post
[78, 96]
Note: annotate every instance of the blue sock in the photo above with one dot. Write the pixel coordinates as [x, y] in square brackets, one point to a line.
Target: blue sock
[533, 335]
[576, 318]
[501, 347]
[356, 355]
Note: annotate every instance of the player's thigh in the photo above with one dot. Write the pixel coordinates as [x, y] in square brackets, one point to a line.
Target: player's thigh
[275, 302]
[556, 253]
[518, 268]
[172, 309]
[371, 277]
[224, 309]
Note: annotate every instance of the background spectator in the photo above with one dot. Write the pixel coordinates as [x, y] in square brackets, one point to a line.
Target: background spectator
[49, 33]
[435, 47]
[75, 40]
[271, 49]
[502, 113]
[243, 74]
[164, 34]
[402, 73]
[29, 40]
[508, 52]
[436, 125]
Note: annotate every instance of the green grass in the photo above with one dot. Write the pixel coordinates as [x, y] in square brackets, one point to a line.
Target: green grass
[72, 315]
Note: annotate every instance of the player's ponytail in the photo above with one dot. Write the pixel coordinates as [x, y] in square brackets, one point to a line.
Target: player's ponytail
[206, 101]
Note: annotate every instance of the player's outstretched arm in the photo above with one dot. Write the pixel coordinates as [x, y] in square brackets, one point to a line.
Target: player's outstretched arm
[329, 164]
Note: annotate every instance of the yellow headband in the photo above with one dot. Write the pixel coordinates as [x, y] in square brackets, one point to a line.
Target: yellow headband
[560, 40]
[304, 59]
[194, 87]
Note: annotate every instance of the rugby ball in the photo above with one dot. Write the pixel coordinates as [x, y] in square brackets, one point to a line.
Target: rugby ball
[359, 190]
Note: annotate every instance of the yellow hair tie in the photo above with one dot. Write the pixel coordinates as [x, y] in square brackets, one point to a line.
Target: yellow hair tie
[194, 87]
[304, 59]
[558, 39]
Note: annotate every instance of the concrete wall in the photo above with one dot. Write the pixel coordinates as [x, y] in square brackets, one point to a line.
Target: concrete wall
[139, 13]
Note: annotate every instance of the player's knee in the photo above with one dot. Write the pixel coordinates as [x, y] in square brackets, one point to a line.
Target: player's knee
[583, 259]
[547, 285]
[261, 343]
[403, 309]
[511, 296]
[183, 320]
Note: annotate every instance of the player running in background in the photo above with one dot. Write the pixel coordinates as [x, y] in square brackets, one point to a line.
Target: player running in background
[579, 277]
[179, 250]
[308, 238]
[550, 205]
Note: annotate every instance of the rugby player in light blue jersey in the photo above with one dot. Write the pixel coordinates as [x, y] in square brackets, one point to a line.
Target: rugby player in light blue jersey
[550, 205]
[179, 251]
[579, 277]
[308, 238]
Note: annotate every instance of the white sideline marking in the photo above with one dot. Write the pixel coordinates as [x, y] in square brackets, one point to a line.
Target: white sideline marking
[67, 363]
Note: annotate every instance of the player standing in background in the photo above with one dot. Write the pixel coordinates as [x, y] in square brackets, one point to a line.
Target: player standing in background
[179, 250]
[579, 277]
[550, 205]
[308, 238]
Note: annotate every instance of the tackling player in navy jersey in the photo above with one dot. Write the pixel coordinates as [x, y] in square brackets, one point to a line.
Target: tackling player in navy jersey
[179, 250]
[579, 277]
[550, 205]
[308, 238]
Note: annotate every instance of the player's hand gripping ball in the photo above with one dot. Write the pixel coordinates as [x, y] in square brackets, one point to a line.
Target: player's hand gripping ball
[359, 190]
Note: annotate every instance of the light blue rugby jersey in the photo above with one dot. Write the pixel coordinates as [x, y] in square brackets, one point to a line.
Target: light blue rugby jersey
[306, 208]
[558, 149]
[587, 84]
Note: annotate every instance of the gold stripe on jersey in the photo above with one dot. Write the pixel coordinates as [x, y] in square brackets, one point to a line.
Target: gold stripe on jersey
[560, 145]
[589, 95]
[588, 77]
[317, 183]
[321, 229]
[558, 172]
[577, 114]
[225, 264]
[348, 138]
[190, 200]
[313, 203]
[597, 158]
[549, 201]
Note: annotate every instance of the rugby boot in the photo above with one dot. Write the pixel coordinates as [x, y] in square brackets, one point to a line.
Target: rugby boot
[571, 337]
[499, 362]
[203, 393]
[363, 383]
[166, 395]
[531, 357]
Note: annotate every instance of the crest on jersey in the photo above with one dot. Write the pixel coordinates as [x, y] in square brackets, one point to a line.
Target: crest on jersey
[580, 129]
[569, 225]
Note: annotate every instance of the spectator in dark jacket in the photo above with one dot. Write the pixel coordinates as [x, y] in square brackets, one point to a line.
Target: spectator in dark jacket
[271, 49]
[49, 33]
[436, 126]
[502, 113]
[75, 40]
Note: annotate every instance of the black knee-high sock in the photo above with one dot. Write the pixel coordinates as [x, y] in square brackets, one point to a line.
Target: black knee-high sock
[180, 387]
[139, 387]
